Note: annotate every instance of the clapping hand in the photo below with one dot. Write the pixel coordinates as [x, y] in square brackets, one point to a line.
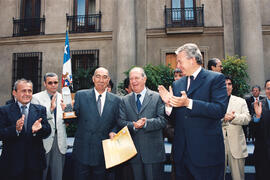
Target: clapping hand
[20, 123]
[140, 123]
[37, 126]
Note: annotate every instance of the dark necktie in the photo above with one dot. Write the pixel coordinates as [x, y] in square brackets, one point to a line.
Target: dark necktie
[24, 112]
[54, 113]
[191, 81]
[138, 102]
[99, 104]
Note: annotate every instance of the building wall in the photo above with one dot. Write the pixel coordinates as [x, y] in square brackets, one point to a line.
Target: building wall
[133, 33]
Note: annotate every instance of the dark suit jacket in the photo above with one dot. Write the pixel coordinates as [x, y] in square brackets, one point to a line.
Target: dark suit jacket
[149, 140]
[262, 135]
[25, 150]
[93, 128]
[198, 131]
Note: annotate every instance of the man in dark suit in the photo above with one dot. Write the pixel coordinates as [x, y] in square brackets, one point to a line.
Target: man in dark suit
[23, 126]
[262, 135]
[97, 112]
[250, 133]
[143, 113]
[199, 103]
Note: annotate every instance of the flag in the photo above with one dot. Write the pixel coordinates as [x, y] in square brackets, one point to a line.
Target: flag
[67, 73]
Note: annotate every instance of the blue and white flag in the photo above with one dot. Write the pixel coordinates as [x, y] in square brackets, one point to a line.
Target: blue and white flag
[67, 73]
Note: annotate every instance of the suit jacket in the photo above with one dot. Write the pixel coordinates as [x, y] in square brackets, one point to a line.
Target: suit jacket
[262, 143]
[234, 130]
[93, 128]
[44, 99]
[148, 140]
[198, 130]
[26, 149]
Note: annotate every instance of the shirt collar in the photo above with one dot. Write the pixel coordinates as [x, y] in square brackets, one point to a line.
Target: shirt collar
[195, 74]
[20, 105]
[102, 95]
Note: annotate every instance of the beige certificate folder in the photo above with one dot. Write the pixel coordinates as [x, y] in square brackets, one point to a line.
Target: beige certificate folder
[120, 149]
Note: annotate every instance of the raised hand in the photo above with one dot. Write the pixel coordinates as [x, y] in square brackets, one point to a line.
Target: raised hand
[258, 108]
[20, 123]
[53, 102]
[37, 126]
[165, 94]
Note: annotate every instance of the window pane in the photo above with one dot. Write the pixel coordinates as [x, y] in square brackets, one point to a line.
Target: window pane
[81, 7]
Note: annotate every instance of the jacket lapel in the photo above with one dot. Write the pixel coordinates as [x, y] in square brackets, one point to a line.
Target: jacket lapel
[146, 100]
[15, 112]
[197, 82]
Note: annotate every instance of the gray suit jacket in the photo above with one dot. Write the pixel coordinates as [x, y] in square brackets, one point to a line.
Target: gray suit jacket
[43, 99]
[148, 140]
[93, 128]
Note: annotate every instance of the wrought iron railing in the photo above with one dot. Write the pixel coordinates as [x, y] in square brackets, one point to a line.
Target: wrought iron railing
[29, 26]
[84, 23]
[184, 17]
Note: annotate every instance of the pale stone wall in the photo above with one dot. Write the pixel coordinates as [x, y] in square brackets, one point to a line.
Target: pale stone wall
[212, 13]
[8, 11]
[55, 16]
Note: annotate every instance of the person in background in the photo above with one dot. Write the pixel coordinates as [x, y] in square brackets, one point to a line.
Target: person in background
[234, 138]
[250, 129]
[127, 86]
[23, 126]
[177, 74]
[215, 64]
[110, 86]
[262, 143]
[56, 144]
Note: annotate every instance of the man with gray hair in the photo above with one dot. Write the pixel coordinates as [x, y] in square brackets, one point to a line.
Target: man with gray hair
[143, 113]
[198, 102]
[215, 64]
[55, 145]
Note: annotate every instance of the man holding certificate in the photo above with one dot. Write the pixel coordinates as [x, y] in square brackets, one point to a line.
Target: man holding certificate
[143, 112]
[97, 112]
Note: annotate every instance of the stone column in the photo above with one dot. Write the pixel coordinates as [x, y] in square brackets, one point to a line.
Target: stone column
[228, 28]
[125, 37]
[251, 39]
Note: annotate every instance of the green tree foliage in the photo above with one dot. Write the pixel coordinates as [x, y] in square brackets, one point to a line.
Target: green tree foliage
[236, 68]
[156, 75]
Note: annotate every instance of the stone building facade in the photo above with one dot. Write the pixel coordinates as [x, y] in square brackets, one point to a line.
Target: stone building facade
[117, 34]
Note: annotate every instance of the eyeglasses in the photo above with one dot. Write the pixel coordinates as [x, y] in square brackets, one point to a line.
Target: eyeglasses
[52, 82]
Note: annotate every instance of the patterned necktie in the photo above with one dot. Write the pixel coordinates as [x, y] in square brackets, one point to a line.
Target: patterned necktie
[99, 104]
[138, 102]
[24, 112]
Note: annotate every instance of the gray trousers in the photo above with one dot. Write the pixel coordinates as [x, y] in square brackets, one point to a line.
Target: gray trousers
[55, 162]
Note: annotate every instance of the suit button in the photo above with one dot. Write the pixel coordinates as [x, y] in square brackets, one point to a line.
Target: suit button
[186, 117]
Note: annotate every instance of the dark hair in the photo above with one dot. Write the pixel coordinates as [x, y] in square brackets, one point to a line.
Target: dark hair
[111, 84]
[228, 78]
[49, 74]
[256, 86]
[126, 82]
[15, 86]
[268, 80]
[177, 70]
[211, 62]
